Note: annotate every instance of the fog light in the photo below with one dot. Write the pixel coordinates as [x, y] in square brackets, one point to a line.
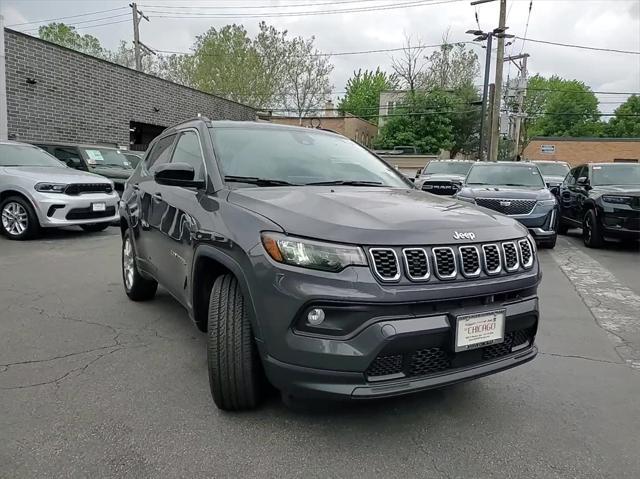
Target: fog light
[315, 317]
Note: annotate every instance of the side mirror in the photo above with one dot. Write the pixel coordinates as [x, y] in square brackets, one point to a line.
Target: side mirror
[555, 190]
[177, 174]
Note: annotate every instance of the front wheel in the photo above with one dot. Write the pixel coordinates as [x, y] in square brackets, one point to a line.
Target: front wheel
[18, 220]
[235, 371]
[95, 227]
[136, 286]
[591, 231]
[563, 227]
[548, 243]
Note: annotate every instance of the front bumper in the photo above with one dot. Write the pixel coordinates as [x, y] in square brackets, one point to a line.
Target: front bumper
[541, 223]
[622, 223]
[56, 210]
[382, 320]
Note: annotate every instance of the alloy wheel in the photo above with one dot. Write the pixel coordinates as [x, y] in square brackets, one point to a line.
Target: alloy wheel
[587, 230]
[14, 218]
[127, 263]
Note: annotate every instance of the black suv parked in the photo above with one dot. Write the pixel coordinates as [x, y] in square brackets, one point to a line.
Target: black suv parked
[312, 263]
[101, 160]
[604, 200]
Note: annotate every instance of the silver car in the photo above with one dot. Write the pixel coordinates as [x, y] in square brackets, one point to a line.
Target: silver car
[37, 190]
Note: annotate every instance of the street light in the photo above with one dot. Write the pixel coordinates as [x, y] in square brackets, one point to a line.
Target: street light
[481, 36]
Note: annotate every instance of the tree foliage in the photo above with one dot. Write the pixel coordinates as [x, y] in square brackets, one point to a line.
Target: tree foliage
[422, 121]
[559, 107]
[452, 67]
[68, 37]
[626, 122]
[363, 90]
[409, 64]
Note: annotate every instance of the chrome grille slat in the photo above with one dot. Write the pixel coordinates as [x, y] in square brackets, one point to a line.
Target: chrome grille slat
[444, 262]
[385, 263]
[492, 258]
[470, 261]
[526, 253]
[416, 263]
[511, 259]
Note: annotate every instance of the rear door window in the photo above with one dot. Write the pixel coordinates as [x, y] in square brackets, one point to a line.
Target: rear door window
[70, 156]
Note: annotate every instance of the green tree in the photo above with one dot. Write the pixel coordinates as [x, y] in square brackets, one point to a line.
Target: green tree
[465, 120]
[424, 121]
[452, 67]
[363, 90]
[68, 37]
[559, 107]
[626, 122]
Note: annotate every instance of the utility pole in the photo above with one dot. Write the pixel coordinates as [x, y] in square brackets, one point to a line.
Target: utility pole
[4, 124]
[492, 97]
[522, 90]
[137, 17]
[485, 89]
[495, 125]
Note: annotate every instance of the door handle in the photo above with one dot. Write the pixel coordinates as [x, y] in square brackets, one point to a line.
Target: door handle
[135, 187]
[157, 196]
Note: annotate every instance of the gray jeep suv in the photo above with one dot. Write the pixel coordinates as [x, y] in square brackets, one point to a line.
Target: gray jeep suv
[312, 264]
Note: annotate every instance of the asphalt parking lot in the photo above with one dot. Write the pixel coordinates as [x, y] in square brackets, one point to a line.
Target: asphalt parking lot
[93, 385]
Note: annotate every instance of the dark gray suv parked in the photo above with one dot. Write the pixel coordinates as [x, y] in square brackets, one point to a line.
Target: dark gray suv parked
[312, 264]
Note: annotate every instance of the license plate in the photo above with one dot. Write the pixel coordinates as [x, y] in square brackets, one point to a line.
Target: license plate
[479, 329]
[98, 207]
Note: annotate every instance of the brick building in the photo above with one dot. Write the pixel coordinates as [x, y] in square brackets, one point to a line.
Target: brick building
[583, 150]
[57, 94]
[350, 126]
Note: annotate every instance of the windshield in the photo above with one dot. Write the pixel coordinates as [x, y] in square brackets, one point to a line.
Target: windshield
[504, 174]
[616, 175]
[298, 157]
[25, 155]
[553, 169]
[106, 157]
[447, 167]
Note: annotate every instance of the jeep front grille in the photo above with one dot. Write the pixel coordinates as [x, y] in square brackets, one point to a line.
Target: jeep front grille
[492, 262]
[451, 263]
[470, 261]
[507, 206]
[511, 261]
[445, 263]
[385, 263]
[416, 262]
[526, 253]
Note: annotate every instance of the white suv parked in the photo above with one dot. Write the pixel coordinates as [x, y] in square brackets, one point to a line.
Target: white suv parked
[37, 190]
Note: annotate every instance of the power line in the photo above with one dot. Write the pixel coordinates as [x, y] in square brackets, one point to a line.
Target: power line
[73, 25]
[526, 27]
[583, 47]
[63, 18]
[250, 7]
[585, 91]
[392, 6]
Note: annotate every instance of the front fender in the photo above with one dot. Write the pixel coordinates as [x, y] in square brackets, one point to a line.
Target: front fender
[234, 267]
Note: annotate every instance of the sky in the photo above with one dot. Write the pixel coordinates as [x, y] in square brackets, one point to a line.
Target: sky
[612, 24]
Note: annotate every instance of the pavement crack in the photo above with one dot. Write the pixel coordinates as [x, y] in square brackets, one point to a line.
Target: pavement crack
[56, 381]
[576, 356]
[63, 356]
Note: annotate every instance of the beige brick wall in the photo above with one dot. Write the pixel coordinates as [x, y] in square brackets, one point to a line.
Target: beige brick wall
[577, 151]
[350, 126]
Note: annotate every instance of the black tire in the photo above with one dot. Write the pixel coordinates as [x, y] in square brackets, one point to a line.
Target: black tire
[137, 287]
[32, 225]
[95, 227]
[549, 244]
[236, 378]
[591, 231]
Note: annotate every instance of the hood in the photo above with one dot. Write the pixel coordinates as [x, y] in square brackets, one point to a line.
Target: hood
[112, 172]
[624, 190]
[506, 192]
[442, 177]
[53, 174]
[553, 179]
[373, 216]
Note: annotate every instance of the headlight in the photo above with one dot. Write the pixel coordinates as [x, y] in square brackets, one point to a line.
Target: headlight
[312, 254]
[468, 199]
[618, 200]
[50, 187]
[550, 202]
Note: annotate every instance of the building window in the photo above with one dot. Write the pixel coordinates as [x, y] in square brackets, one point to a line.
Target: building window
[391, 106]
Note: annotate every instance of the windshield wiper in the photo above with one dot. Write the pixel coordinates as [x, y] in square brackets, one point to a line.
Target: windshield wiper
[252, 180]
[346, 183]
